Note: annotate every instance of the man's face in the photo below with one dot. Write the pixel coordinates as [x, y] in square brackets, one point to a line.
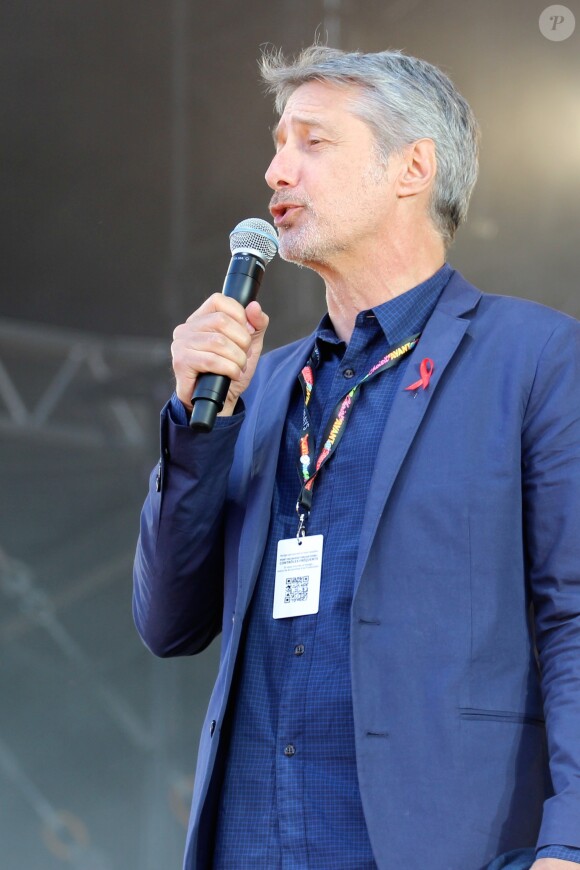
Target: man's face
[332, 197]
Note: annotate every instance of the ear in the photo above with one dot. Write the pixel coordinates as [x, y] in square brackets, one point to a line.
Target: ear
[419, 166]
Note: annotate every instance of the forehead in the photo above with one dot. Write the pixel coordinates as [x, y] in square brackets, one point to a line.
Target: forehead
[321, 104]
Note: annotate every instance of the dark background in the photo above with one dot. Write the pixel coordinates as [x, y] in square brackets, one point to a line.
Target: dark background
[134, 137]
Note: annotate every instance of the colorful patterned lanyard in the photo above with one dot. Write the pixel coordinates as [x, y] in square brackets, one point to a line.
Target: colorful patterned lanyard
[336, 424]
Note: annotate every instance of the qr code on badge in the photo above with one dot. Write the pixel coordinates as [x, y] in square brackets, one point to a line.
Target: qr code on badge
[296, 589]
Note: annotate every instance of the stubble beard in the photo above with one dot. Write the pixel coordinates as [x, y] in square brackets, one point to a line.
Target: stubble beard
[313, 240]
[309, 243]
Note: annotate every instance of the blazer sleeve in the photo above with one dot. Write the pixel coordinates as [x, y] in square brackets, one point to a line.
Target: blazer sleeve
[178, 570]
[551, 503]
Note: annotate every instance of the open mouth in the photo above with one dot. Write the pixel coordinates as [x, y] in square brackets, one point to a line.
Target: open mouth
[282, 210]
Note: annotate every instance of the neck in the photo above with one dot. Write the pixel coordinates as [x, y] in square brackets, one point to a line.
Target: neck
[349, 291]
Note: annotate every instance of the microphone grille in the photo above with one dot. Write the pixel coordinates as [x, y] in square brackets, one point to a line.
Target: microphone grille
[254, 236]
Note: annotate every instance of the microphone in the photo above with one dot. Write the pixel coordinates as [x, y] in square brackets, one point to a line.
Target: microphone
[253, 244]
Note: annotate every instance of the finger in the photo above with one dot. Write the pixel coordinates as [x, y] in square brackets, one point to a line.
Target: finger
[191, 353]
[208, 362]
[214, 323]
[188, 367]
[257, 319]
[225, 304]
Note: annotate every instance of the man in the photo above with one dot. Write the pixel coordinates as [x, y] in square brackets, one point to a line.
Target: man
[398, 722]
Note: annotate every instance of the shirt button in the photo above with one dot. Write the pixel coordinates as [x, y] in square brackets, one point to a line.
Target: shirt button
[289, 750]
[299, 649]
[348, 373]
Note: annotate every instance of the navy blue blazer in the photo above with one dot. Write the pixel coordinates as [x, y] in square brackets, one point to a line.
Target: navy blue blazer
[465, 627]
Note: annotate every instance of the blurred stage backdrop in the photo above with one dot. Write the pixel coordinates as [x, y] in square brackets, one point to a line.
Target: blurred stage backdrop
[135, 136]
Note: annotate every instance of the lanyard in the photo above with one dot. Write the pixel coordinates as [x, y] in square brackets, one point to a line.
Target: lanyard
[336, 424]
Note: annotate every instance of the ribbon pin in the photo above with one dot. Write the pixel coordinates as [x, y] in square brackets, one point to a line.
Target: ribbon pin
[425, 370]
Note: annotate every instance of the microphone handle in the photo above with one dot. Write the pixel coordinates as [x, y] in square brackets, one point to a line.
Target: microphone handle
[242, 282]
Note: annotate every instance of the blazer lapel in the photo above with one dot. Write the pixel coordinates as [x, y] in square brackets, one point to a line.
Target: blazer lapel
[439, 342]
[268, 416]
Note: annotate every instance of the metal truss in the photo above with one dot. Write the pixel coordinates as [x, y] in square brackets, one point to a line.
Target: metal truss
[79, 389]
[18, 584]
[64, 833]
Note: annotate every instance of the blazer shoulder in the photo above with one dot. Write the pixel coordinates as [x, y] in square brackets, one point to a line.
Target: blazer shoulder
[502, 312]
[517, 308]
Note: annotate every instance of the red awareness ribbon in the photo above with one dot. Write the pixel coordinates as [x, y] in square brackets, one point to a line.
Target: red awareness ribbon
[425, 370]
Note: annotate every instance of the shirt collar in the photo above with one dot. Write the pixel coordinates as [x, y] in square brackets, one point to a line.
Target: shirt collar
[402, 316]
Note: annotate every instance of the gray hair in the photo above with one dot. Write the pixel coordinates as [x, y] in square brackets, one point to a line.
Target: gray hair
[402, 99]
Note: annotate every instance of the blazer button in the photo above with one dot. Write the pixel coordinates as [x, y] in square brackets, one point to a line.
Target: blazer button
[212, 727]
[289, 751]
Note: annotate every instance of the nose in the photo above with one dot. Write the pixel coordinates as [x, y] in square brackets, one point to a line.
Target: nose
[283, 170]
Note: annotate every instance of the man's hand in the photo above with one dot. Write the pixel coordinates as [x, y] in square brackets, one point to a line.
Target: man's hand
[554, 864]
[223, 338]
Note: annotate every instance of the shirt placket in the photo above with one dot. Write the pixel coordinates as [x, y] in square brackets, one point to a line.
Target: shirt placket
[293, 743]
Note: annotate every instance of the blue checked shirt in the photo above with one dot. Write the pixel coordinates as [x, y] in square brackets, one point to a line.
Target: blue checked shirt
[290, 798]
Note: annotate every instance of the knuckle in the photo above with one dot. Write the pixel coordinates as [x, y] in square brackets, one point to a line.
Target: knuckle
[178, 331]
[215, 303]
[217, 340]
[208, 304]
[237, 373]
[245, 340]
[221, 320]
[180, 366]
[233, 309]
[207, 362]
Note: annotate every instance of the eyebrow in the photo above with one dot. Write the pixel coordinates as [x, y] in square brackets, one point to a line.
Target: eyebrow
[302, 121]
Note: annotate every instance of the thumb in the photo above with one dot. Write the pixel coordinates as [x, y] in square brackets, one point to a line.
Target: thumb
[257, 319]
